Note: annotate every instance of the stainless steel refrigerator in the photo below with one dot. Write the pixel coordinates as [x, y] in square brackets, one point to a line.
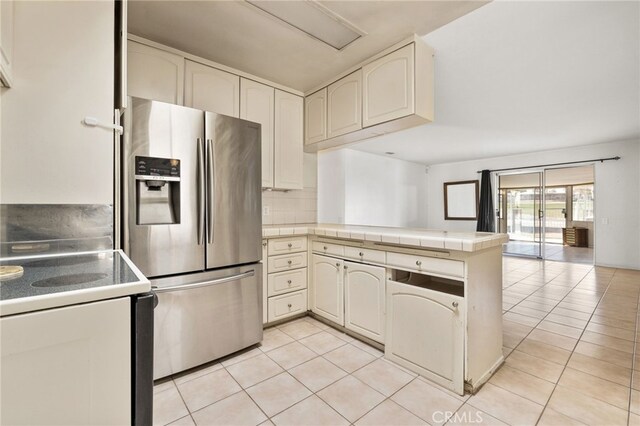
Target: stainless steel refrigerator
[191, 221]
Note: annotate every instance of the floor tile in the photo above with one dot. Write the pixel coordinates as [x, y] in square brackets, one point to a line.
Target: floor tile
[470, 415]
[274, 338]
[586, 409]
[530, 312]
[608, 341]
[290, 355]
[322, 342]
[237, 410]
[185, 421]
[426, 400]
[506, 406]
[599, 368]
[168, 406]
[544, 351]
[612, 356]
[564, 342]
[339, 334]
[299, 329]
[521, 319]
[367, 348]
[523, 384]
[561, 319]
[620, 333]
[389, 413]
[383, 376]
[535, 366]
[612, 322]
[278, 393]
[551, 417]
[317, 373]
[196, 372]
[561, 329]
[351, 398]
[312, 411]
[635, 401]
[349, 358]
[254, 370]
[163, 385]
[207, 389]
[604, 390]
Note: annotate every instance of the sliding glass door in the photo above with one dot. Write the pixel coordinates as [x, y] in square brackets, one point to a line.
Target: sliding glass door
[520, 212]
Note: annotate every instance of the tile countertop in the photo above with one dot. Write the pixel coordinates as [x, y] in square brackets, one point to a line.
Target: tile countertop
[51, 281]
[411, 237]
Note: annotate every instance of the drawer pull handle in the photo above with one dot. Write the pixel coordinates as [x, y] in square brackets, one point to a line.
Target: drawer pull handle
[264, 244]
[325, 247]
[418, 262]
[289, 262]
[290, 245]
[289, 305]
[337, 264]
[361, 254]
[289, 282]
[455, 304]
[346, 267]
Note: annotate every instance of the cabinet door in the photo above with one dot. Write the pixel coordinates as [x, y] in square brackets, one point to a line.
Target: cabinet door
[388, 87]
[288, 141]
[154, 74]
[6, 41]
[211, 89]
[364, 299]
[265, 280]
[67, 366]
[327, 298]
[257, 105]
[315, 117]
[425, 333]
[344, 105]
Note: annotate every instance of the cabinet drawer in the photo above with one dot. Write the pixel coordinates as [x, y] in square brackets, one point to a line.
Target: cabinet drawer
[287, 261]
[365, 255]
[326, 248]
[287, 305]
[286, 282]
[426, 264]
[287, 245]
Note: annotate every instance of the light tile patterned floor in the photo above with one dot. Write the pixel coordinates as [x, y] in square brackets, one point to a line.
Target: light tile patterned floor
[570, 341]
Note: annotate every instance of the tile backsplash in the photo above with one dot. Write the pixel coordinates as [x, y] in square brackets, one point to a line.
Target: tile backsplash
[300, 206]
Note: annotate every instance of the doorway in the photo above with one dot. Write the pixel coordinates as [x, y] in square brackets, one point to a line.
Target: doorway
[548, 213]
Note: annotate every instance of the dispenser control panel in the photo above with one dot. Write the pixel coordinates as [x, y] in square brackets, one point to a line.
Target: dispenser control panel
[153, 168]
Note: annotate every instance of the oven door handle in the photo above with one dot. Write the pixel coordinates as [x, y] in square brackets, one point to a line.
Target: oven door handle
[222, 280]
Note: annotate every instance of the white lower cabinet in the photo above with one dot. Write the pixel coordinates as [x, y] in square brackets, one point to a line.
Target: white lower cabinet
[364, 299]
[425, 333]
[287, 305]
[265, 280]
[67, 366]
[327, 294]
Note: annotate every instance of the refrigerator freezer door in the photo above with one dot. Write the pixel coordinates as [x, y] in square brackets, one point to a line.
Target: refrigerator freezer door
[204, 316]
[234, 198]
[162, 219]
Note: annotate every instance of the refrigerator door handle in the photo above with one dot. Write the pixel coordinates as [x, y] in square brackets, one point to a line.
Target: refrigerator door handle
[211, 189]
[204, 284]
[201, 194]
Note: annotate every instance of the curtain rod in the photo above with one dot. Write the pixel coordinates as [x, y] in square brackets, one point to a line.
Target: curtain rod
[554, 164]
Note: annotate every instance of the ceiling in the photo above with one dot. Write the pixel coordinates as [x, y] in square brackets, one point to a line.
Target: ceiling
[239, 35]
[518, 77]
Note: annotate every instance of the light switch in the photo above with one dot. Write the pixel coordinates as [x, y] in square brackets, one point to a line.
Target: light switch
[605, 220]
[266, 211]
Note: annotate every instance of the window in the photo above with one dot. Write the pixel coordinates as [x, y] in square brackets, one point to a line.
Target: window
[582, 203]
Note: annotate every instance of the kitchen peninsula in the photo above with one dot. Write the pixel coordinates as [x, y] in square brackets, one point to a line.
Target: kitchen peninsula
[432, 298]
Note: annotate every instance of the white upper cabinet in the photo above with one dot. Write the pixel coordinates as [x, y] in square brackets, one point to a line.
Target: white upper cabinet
[288, 149]
[388, 87]
[6, 41]
[154, 74]
[211, 90]
[315, 125]
[344, 101]
[257, 103]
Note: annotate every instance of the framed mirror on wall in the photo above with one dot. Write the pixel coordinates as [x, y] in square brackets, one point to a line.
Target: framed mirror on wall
[461, 200]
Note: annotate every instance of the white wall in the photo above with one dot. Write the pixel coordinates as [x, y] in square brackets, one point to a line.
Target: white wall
[63, 65]
[359, 188]
[617, 195]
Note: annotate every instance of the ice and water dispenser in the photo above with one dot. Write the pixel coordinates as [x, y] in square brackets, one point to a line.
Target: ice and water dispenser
[157, 190]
